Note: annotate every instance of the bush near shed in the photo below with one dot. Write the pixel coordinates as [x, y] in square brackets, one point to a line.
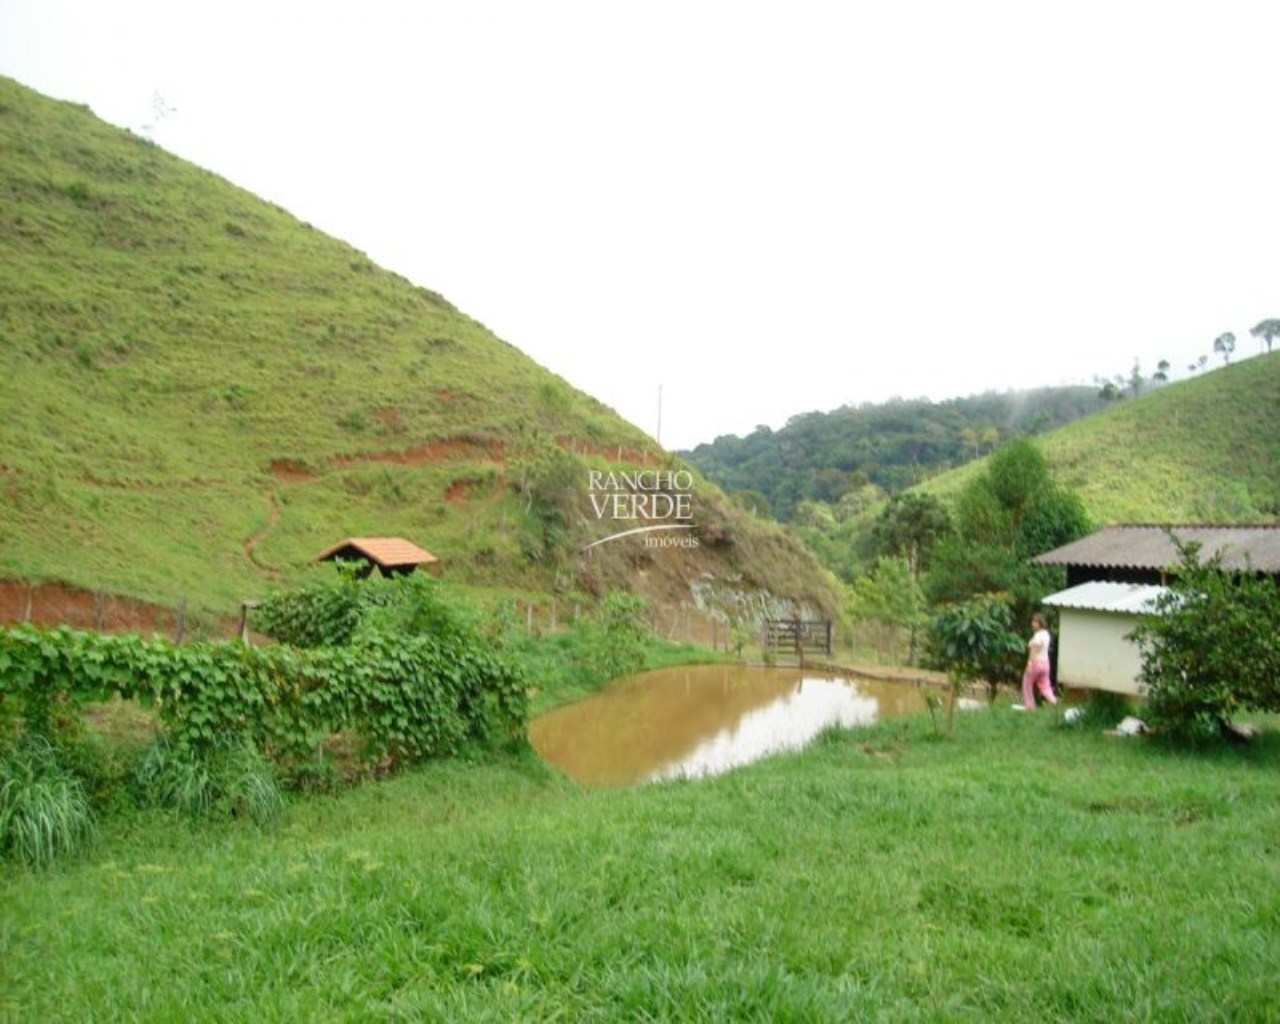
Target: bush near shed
[1211, 650]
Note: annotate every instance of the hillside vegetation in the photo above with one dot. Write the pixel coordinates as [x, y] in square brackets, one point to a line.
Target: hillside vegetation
[1205, 449]
[199, 393]
[834, 457]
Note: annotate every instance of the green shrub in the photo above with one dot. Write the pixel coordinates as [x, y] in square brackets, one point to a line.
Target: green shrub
[322, 614]
[44, 810]
[973, 642]
[229, 779]
[1210, 649]
[175, 778]
[623, 634]
[104, 769]
[408, 697]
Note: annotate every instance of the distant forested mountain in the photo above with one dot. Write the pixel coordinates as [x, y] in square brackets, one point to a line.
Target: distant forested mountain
[823, 457]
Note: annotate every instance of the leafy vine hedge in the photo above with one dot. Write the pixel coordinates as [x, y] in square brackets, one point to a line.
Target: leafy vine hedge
[408, 694]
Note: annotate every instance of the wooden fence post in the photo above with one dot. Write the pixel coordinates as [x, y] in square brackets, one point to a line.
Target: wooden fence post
[182, 622]
[244, 621]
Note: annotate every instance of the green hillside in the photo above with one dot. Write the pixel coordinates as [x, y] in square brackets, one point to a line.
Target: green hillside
[1205, 449]
[832, 456]
[199, 393]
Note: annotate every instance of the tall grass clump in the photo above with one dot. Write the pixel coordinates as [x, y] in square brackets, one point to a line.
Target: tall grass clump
[45, 814]
[231, 778]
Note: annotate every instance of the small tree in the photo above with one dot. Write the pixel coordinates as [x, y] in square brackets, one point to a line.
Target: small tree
[974, 641]
[1224, 344]
[890, 596]
[911, 525]
[1136, 381]
[1266, 331]
[620, 635]
[1210, 649]
[1012, 512]
[1109, 391]
[549, 481]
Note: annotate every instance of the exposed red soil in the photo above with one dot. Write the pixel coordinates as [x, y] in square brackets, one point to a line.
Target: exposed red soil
[289, 471]
[59, 604]
[459, 491]
[429, 453]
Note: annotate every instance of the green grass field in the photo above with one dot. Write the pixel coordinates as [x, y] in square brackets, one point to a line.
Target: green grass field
[1020, 872]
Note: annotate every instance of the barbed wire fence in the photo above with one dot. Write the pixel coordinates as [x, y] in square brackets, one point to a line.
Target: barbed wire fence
[60, 604]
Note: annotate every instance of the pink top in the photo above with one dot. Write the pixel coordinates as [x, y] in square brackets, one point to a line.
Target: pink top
[1038, 646]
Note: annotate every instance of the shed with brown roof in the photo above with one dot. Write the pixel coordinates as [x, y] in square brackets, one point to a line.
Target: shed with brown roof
[1145, 553]
[390, 555]
[1114, 579]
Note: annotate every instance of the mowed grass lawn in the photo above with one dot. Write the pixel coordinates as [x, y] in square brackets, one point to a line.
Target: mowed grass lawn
[1020, 872]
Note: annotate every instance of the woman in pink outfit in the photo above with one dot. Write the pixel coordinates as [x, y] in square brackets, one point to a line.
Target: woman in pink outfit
[1036, 675]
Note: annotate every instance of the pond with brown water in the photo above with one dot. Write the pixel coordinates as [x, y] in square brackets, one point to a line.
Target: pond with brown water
[702, 720]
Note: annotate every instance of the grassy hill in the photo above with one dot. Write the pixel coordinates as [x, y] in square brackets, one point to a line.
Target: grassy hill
[199, 393]
[832, 456]
[1205, 449]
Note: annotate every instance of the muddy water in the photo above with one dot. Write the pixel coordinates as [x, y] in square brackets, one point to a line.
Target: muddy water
[706, 719]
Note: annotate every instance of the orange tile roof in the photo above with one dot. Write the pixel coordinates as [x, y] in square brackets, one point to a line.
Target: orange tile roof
[387, 551]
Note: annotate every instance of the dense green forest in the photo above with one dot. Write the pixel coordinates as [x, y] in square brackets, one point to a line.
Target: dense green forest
[830, 457]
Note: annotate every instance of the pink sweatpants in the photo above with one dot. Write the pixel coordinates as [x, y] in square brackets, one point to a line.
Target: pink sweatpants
[1037, 676]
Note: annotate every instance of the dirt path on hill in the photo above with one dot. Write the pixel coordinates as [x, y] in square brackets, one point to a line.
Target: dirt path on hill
[251, 545]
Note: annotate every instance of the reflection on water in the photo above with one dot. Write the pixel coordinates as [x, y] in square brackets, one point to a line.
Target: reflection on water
[706, 719]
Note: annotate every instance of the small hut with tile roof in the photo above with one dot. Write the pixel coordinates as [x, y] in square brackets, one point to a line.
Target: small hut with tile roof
[391, 556]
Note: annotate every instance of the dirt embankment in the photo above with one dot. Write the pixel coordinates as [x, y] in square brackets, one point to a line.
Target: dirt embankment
[428, 453]
[450, 449]
[59, 604]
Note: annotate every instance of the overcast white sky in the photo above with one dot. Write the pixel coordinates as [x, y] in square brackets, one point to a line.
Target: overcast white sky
[763, 209]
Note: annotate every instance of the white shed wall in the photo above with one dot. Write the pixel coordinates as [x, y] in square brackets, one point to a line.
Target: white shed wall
[1093, 651]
